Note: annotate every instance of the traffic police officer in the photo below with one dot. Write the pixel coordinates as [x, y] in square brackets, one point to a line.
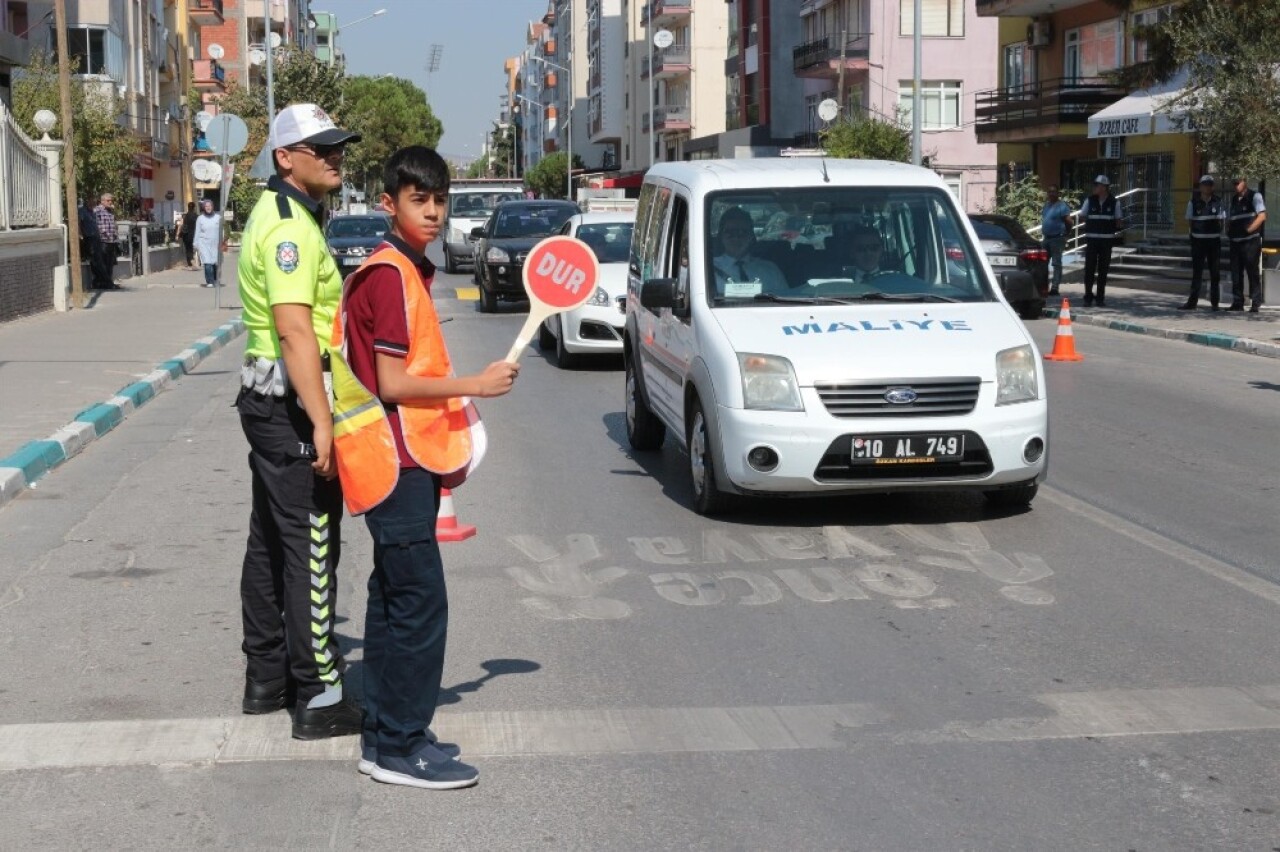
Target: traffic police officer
[290, 289]
[1101, 214]
[1244, 228]
[1206, 213]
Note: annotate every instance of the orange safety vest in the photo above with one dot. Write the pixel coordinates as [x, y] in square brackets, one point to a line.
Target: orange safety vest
[436, 434]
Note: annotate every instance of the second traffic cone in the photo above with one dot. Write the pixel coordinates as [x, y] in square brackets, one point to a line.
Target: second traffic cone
[1064, 345]
[447, 526]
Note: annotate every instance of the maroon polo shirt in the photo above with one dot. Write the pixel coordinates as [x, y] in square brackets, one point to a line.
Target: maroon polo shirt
[376, 322]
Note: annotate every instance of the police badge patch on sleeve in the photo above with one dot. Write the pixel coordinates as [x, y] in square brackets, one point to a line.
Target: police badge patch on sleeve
[287, 256]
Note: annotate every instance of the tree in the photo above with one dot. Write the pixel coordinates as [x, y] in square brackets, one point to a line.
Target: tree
[1232, 97]
[867, 138]
[1024, 199]
[106, 151]
[548, 178]
[389, 113]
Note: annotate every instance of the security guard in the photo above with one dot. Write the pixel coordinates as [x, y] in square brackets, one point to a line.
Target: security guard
[1244, 228]
[290, 289]
[1102, 215]
[1206, 213]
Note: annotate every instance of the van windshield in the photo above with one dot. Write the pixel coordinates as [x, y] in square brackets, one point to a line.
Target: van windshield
[479, 204]
[838, 245]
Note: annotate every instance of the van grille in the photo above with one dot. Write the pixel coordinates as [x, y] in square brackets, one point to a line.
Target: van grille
[934, 397]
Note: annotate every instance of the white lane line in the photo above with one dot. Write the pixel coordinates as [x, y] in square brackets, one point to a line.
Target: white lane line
[1216, 568]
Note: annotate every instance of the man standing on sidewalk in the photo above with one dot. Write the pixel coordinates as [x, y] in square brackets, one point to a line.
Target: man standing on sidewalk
[187, 231]
[290, 289]
[1206, 215]
[1055, 221]
[1102, 217]
[107, 248]
[1248, 213]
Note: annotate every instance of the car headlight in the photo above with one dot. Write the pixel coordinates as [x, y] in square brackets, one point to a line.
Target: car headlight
[769, 382]
[497, 255]
[600, 298]
[1016, 376]
[456, 235]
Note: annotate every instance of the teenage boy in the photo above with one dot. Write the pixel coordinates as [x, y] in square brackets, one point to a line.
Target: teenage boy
[401, 430]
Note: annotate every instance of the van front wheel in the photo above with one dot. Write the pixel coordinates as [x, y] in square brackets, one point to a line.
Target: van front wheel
[708, 499]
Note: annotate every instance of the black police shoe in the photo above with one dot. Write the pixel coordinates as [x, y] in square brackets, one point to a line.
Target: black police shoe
[319, 723]
[267, 697]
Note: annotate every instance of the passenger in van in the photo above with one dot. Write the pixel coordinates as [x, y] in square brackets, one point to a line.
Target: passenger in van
[738, 271]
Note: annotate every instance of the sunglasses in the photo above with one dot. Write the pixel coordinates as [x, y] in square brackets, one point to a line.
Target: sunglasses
[322, 152]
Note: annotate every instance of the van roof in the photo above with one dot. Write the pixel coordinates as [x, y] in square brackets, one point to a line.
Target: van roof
[769, 172]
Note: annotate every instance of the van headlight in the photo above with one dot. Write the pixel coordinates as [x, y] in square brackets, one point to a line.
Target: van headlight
[497, 255]
[1016, 376]
[600, 298]
[769, 383]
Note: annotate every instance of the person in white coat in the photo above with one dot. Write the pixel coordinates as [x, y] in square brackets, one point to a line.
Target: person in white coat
[208, 235]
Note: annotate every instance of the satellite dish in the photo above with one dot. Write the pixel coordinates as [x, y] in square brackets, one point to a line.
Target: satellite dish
[206, 171]
[275, 40]
[828, 109]
[203, 119]
[663, 39]
[257, 56]
[216, 52]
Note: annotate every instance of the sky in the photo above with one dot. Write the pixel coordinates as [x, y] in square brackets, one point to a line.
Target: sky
[477, 36]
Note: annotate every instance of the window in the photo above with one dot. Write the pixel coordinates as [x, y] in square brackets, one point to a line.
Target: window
[939, 100]
[939, 18]
[1092, 50]
[1147, 18]
[1016, 68]
[95, 50]
[955, 186]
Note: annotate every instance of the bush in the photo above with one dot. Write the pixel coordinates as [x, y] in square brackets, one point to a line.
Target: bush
[1023, 200]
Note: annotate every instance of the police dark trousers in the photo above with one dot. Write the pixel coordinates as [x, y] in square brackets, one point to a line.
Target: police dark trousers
[1205, 253]
[1246, 259]
[287, 584]
[1097, 263]
[407, 619]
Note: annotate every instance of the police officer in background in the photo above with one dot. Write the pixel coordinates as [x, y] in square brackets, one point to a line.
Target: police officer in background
[1244, 229]
[1206, 214]
[290, 289]
[1102, 216]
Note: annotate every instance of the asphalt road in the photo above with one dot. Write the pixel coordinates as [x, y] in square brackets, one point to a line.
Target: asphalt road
[904, 673]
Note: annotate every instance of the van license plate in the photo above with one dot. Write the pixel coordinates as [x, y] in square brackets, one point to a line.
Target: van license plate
[906, 449]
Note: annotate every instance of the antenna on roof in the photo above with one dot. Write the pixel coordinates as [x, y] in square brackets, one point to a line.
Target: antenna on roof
[826, 178]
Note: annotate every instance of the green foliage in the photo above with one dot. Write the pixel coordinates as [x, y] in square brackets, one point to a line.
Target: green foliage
[548, 177]
[105, 151]
[390, 113]
[867, 138]
[1023, 200]
[1233, 95]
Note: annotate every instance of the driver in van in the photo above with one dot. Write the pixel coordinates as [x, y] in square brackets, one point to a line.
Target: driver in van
[866, 250]
[737, 266]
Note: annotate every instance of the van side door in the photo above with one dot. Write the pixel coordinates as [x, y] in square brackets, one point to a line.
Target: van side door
[675, 334]
[663, 380]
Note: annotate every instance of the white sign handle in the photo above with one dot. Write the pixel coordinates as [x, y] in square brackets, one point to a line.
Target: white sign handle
[538, 311]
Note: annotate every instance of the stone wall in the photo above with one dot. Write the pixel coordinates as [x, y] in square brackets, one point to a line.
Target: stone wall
[28, 258]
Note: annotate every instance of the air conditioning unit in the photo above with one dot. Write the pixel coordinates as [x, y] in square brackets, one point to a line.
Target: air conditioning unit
[1039, 33]
[1111, 148]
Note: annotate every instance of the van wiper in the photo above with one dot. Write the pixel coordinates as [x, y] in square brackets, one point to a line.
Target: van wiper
[904, 297]
[800, 300]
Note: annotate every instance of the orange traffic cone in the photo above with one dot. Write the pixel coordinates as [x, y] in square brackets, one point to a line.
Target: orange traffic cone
[447, 526]
[1064, 345]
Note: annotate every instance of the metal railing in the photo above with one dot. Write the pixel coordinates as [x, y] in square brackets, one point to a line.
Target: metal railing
[665, 115]
[1062, 101]
[24, 178]
[827, 49]
[1141, 210]
[677, 57]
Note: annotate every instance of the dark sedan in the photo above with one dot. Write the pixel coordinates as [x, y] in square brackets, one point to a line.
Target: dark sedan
[353, 238]
[504, 242]
[1008, 246]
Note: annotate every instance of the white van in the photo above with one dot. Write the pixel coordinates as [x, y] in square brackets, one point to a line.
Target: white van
[818, 326]
[471, 201]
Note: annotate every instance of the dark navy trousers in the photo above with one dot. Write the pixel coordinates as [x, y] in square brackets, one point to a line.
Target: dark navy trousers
[408, 616]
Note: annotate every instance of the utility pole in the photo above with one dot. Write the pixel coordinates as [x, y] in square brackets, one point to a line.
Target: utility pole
[271, 93]
[68, 155]
[844, 41]
[916, 118]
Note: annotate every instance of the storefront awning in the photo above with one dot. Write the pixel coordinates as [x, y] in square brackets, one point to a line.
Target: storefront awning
[1157, 109]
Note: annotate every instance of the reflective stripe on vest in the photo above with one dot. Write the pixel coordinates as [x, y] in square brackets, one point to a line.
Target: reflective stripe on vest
[1100, 218]
[1206, 217]
[436, 434]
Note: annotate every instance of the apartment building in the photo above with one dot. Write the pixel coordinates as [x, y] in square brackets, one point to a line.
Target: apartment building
[15, 46]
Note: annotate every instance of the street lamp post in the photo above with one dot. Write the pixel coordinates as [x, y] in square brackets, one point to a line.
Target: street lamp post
[568, 119]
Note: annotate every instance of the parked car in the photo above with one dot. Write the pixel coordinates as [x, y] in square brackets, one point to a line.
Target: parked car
[597, 325]
[471, 203]
[353, 238]
[1007, 246]
[504, 242]
[883, 360]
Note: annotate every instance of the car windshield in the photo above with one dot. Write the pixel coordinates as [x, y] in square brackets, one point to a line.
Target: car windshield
[529, 221]
[838, 245]
[358, 226]
[611, 241]
[479, 204]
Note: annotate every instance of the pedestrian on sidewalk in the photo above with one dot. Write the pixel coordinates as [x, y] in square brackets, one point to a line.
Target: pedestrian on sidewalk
[1102, 217]
[187, 233]
[108, 248]
[88, 238]
[1247, 215]
[207, 236]
[1055, 223]
[290, 288]
[1206, 214]
[394, 454]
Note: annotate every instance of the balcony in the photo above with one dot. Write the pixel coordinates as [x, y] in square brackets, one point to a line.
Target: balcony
[14, 50]
[205, 13]
[666, 11]
[821, 58]
[672, 119]
[208, 74]
[1028, 8]
[1041, 111]
[675, 61]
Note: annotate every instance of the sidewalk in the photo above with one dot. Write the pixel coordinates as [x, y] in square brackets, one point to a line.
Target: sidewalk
[70, 377]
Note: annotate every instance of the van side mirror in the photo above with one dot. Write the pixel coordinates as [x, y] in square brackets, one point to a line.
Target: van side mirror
[658, 293]
[477, 232]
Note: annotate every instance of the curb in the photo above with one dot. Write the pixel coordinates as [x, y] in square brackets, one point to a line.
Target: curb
[1234, 342]
[24, 468]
